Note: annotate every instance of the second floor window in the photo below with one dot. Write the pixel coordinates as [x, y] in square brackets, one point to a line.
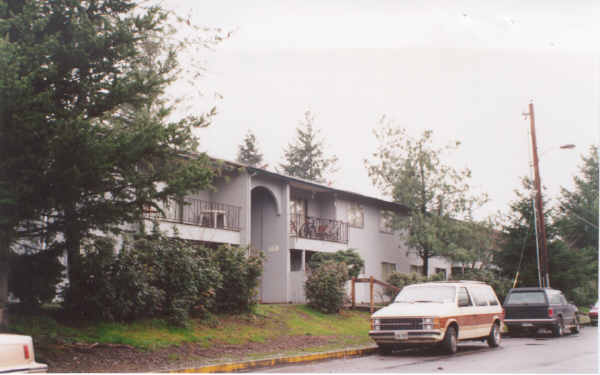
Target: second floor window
[386, 220]
[356, 216]
[298, 207]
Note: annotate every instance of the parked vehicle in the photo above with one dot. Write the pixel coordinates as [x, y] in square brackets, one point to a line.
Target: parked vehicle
[440, 314]
[17, 355]
[529, 309]
[593, 313]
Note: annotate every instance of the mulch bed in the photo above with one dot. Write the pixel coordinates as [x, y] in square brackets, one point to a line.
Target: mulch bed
[122, 358]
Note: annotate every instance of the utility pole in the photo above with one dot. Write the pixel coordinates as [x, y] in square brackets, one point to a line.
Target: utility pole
[539, 205]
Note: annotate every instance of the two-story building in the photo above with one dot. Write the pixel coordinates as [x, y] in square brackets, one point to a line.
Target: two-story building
[290, 219]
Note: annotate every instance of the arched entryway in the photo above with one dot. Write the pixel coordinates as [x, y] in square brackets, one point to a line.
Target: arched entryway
[269, 235]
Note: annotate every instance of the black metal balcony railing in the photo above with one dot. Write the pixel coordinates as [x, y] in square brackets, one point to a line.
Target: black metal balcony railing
[198, 212]
[316, 228]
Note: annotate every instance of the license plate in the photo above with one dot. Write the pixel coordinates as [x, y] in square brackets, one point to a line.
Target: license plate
[399, 335]
[526, 324]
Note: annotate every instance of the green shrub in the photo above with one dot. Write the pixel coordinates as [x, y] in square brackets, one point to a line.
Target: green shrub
[33, 277]
[349, 257]
[241, 274]
[324, 286]
[153, 276]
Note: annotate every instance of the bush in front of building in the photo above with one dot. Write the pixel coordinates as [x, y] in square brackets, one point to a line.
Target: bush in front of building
[240, 277]
[350, 257]
[324, 287]
[151, 276]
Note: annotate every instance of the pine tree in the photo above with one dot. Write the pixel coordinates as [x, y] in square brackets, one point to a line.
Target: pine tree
[248, 152]
[305, 158]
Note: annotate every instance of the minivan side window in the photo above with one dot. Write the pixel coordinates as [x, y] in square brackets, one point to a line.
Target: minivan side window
[463, 297]
[479, 295]
[491, 296]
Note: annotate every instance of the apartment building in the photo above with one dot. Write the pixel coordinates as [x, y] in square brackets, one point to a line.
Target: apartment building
[290, 219]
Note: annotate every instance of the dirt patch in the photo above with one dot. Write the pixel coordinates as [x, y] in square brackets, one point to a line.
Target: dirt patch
[62, 358]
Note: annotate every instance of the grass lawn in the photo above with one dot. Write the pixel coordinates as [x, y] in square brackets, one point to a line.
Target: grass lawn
[349, 328]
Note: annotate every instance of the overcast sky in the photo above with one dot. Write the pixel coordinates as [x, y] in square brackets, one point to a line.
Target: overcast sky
[466, 71]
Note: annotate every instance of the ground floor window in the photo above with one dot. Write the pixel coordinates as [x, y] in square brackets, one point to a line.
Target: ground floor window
[387, 269]
[442, 271]
[416, 269]
[295, 260]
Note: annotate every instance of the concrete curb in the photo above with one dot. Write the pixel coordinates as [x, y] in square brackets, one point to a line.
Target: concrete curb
[241, 366]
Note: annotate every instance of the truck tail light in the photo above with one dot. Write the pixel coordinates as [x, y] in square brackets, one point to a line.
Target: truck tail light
[550, 312]
[26, 351]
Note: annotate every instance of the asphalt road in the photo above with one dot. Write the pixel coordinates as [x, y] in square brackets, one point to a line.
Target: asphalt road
[543, 354]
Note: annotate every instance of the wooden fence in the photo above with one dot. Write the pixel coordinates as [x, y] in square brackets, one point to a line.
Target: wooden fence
[372, 281]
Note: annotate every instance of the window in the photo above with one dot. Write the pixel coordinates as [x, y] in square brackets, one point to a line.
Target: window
[386, 219]
[297, 214]
[295, 260]
[555, 299]
[416, 269]
[356, 216]
[525, 298]
[479, 296]
[457, 272]
[491, 296]
[463, 297]
[298, 207]
[387, 269]
[442, 271]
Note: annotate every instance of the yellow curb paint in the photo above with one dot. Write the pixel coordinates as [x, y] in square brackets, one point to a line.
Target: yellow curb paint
[232, 367]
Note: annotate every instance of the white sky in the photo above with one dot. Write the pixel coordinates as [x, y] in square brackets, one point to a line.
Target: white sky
[467, 71]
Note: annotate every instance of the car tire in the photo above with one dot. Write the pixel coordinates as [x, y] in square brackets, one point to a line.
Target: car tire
[575, 328]
[559, 329]
[449, 344]
[494, 338]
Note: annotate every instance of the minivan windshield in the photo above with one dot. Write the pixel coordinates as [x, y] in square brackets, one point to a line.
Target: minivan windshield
[525, 298]
[427, 293]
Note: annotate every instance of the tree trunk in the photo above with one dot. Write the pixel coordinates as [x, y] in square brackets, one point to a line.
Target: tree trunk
[5, 242]
[73, 247]
[425, 258]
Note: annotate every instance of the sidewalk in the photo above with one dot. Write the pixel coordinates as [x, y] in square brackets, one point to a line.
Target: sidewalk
[259, 363]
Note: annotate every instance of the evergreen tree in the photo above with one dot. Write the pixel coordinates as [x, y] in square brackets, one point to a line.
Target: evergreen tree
[305, 158]
[578, 209]
[84, 139]
[248, 152]
[574, 271]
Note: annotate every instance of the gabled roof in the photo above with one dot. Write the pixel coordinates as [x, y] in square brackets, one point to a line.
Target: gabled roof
[302, 183]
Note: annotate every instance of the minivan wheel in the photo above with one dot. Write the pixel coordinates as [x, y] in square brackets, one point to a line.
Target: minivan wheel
[559, 329]
[449, 343]
[494, 338]
[575, 328]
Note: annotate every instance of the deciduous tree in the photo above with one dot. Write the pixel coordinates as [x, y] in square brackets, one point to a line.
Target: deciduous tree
[438, 196]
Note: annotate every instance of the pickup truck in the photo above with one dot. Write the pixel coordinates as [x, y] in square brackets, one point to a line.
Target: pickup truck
[529, 309]
[16, 355]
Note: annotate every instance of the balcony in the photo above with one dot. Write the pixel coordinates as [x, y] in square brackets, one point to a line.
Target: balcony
[198, 213]
[315, 228]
